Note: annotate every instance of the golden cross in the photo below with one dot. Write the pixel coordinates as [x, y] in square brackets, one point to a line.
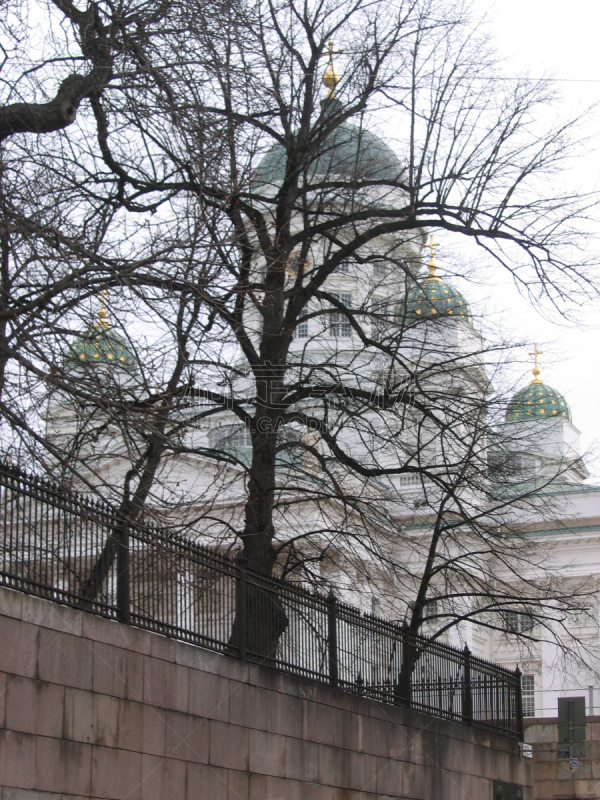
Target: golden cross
[102, 310]
[330, 79]
[432, 265]
[331, 52]
[431, 245]
[536, 369]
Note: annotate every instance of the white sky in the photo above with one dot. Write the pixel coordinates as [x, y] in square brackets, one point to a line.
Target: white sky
[547, 38]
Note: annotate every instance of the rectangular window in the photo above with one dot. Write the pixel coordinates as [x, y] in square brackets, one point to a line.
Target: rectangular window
[380, 270]
[528, 695]
[378, 319]
[518, 623]
[339, 326]
[344, 266]
[301, 331]
[430, 609]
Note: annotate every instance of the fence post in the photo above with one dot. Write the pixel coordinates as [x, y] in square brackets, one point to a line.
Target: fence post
[468, 692]
[240, 606]
[520, 727]
[332, 638]
[403, 691]
[123, 590]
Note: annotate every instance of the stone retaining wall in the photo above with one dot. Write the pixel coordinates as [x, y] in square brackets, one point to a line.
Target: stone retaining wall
[91, 708]
[553, 777]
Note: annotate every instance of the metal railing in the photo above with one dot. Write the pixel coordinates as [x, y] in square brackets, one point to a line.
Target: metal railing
[60, 545]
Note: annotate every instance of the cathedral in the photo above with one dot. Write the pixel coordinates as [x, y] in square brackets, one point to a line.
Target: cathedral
[375, 528]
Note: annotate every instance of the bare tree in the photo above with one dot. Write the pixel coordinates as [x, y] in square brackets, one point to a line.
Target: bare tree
[275, 241]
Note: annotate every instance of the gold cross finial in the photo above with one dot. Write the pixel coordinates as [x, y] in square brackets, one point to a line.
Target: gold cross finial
[432, 266]
[102, 323]
[330, 78]
[536, 369]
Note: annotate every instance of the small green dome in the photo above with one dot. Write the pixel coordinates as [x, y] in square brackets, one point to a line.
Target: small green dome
[349, 151]
[537, 401]
[101, 345]
[433, 299]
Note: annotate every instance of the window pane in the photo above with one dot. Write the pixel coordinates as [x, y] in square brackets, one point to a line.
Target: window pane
[379, 269]
[301, 331]
[339, 327]
[528, 695]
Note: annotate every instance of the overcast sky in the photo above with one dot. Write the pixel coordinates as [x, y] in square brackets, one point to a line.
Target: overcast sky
[546, 38]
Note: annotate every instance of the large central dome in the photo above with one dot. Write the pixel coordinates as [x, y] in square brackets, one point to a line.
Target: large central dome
[348, 151]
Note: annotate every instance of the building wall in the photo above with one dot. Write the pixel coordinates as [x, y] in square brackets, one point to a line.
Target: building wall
[553, 779]
[91, 708]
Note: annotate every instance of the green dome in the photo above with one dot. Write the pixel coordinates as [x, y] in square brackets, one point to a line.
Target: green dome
[102, 346]
[537, 401]
[349, 151]
[433, 299]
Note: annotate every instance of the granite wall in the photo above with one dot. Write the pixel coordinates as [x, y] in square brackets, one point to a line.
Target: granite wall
[553, 777]
[91, 708]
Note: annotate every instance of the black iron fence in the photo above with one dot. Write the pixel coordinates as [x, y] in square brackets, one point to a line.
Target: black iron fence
[62, 546]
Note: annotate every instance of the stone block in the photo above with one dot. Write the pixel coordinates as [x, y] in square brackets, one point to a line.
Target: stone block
[18, 647]
[446, 753]
[11, 603]
[91, 717]
[587, 788]
[267, 753]
[376, 738]
[130, 726]
[118, 672]
[116, 774]
[34, 707]
[62, 766]
[541, 733]
[205, 782]
[389, 778]
[333, 766]
[317, 724]
[248, 705]
[163, 778]
[108, 631]
[190, 655]
[51, 615]
[165, 684]
[345, 730]
[265, 677]
[229, 745]
[163, 647]
[232, 668]
[238, 785]
[416, 780]
[142, 728]
[301, 760]
[209, 695]
[362, 772]
[544, 770]
[480, 787]
[17, 759]
[258, 787]
[449, 784]
[65, 659]
[154, 730]
[186, 737]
